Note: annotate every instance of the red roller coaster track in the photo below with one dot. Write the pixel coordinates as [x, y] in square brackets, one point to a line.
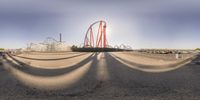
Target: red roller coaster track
[101, 39]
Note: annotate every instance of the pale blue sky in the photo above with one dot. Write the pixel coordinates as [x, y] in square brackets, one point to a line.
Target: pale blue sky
[138, 23]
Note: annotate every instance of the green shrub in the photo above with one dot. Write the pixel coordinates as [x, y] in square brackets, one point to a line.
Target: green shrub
[198, 49]
[2, 49]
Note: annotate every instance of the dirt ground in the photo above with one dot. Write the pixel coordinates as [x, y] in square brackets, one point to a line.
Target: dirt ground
[97, 76]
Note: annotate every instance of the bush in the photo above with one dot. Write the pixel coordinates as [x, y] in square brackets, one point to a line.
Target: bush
[74, 47]
[198, 49]
[2, 49]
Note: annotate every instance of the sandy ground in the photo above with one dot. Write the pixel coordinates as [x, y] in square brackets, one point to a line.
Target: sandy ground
[49, 55]
[144, 60]
[52, 61]
[99, 76]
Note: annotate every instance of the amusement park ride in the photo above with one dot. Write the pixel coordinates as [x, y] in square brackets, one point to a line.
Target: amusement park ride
[95, 41]
[101, 39]
[98, 42]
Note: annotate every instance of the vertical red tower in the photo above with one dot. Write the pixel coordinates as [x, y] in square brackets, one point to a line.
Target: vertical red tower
[101, 39]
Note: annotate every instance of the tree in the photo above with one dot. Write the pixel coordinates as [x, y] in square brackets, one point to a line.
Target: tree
[74, 47]
[2, 49]
[198, 49]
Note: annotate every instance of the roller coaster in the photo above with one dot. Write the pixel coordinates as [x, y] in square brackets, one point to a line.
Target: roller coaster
[48, 45]
[101, 39]
[96, 40]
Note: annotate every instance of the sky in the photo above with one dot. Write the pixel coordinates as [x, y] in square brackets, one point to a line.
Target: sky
[137, 23]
